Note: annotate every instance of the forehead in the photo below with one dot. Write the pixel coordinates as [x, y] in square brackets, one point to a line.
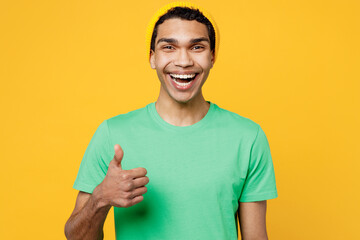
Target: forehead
[181, 29]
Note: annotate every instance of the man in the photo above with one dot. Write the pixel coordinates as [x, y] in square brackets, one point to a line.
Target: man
[201, 166]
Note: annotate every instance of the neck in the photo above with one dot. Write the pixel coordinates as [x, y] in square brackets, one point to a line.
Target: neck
[182, 113]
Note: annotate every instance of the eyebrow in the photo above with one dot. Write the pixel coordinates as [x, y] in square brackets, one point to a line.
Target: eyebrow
[173, 40]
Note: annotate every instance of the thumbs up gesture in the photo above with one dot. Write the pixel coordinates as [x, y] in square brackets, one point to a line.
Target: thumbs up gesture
[121, 188]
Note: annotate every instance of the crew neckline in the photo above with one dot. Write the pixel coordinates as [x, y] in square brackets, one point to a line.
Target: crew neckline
[155, 115]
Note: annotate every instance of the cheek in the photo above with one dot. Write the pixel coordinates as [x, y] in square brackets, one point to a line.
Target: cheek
[163, 60]
[203, 61]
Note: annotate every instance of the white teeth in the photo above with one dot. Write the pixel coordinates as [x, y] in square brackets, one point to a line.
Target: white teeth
[185, 76]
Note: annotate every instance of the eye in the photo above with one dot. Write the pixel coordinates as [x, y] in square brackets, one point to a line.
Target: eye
[197, 47]
[168, 47]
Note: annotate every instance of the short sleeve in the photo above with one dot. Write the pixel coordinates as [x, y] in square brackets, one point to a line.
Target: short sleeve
[95, 162]
[260, 181]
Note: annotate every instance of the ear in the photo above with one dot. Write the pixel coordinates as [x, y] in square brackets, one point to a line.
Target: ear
[152, 59]
[212, 58]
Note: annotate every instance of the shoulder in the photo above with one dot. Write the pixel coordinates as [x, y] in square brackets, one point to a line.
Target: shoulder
[236, 122]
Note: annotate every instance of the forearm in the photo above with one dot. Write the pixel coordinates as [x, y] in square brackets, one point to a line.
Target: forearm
[255, 238]
[88, 223]
[120, 188]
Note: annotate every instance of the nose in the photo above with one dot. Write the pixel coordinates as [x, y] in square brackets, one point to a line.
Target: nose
[183, 59]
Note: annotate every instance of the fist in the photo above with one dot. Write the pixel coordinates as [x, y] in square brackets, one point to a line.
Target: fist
[122, 188]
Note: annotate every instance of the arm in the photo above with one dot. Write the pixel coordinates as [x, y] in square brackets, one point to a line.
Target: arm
[120, 188]
[252, 220]
[87, 219]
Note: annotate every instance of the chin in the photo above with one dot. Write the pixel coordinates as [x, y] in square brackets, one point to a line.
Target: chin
[184, 99]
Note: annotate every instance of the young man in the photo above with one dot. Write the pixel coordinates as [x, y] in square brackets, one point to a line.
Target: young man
[200, 166]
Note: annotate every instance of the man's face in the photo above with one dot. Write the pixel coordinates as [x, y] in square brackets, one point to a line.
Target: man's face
[182, 58]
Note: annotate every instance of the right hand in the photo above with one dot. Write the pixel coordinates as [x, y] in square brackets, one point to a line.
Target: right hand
[121, 188]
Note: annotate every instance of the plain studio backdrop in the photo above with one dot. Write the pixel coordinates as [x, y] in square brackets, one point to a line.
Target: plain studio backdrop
[291, 66]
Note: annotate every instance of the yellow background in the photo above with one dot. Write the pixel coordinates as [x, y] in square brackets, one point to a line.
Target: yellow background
[291, 66]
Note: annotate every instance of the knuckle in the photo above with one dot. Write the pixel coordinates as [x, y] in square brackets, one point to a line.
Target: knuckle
[125, 176]
[128, 185]
[139, 199]
[126, 203]
[127, 195]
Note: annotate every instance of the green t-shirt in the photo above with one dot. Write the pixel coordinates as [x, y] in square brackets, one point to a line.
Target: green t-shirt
[197, 174]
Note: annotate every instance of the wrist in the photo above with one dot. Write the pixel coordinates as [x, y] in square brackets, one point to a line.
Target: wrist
[98, 200]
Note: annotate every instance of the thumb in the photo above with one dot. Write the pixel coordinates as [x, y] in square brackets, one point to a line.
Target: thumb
[119, 153]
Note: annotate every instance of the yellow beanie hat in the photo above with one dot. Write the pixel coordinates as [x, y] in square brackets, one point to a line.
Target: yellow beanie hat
[169, 6]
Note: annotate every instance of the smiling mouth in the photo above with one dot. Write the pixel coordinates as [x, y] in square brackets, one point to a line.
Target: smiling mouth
[183, 79]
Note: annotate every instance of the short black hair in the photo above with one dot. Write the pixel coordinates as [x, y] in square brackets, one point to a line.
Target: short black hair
[185, 13]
